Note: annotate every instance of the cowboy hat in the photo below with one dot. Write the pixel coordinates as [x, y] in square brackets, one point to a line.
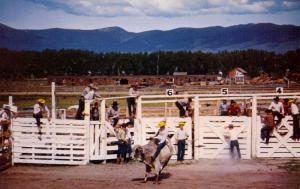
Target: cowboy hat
[292, 100]
[42, 101]
[161, 124]
[181, 123]
[115, 103]
[7, 107]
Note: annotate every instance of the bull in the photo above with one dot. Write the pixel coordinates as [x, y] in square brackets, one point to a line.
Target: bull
[145, 152]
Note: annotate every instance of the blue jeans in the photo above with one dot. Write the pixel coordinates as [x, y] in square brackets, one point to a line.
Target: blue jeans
[181, 149]
[235, 143]
[159, 147]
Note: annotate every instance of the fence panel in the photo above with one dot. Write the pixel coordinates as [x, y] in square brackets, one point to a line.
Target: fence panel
[280, 144]
[102, 140]
[149, 129]
[211, 136]
[62, 142]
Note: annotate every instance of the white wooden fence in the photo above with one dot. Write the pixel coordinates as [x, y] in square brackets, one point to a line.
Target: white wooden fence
[211, 136]
[62, 142]
[78, 141]
[280, 143]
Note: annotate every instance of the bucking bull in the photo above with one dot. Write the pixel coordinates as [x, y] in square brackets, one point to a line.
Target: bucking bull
[145, 152]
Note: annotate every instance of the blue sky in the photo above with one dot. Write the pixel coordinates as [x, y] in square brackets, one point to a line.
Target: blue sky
[143, 15]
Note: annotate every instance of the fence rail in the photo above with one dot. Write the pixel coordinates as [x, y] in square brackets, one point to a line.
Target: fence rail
[77, 142]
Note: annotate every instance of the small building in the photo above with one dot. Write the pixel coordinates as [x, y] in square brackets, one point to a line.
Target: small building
[237, 76]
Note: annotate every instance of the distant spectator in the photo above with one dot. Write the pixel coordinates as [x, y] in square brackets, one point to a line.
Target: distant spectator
[38, 110]
[95, 114]
[5, 117]
[131, 101]
[296, 117]
[233, 136]
[223, 108]
[268, 127]
[234, 109]
[113, 114]
[286, 106]
[277, 109]
[89, 92]
[80, 110]
[248, 107]
[182, 105]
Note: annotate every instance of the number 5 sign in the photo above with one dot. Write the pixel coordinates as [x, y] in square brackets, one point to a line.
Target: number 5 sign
[169, 92]
[224, 91]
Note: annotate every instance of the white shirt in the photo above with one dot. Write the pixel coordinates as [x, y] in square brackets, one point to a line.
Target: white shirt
[3, 115]
[90, 95]
[294, 109]
[85, 91]
[128, 135]
[162, 136]
[132, 92]
[112, 113]
[37, 108]
[183, 102]
[181, 135]
[277, 107]
[233, 134]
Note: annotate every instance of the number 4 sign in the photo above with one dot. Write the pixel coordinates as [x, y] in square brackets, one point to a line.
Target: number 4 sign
[279, 90]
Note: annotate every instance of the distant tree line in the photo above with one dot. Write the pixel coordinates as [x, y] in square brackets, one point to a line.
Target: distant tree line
[34, 64]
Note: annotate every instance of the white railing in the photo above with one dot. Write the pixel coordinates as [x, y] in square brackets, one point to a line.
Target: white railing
[77, 142]
[61, 142]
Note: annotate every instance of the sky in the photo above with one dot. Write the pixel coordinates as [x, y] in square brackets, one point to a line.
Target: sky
[144, 15]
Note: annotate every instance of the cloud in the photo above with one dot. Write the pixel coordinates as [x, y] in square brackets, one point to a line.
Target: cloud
[167, 8]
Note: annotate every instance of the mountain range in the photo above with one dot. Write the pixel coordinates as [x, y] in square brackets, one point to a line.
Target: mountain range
[263, 36]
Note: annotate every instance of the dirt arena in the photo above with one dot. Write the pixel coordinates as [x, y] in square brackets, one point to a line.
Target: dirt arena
[264, 174]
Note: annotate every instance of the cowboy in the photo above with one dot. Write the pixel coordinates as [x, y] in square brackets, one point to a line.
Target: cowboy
[161, 136]
[5, 116]
[232, 135]
[277, 109]
[182, 106]
[122, 143]
[38, 110]
[181, 136]
[90, 94]
[296, 116]
[234, 109]
[133, 93]
[113, 114]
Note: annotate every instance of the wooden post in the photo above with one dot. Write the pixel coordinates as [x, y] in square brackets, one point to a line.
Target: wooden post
[10, 101]
[87, 104]
[196, 127]
[103, 134]
[53, 101]
[139, 120]
[254, 125]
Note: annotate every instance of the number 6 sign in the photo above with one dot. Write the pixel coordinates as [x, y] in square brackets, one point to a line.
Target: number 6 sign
[169, 92]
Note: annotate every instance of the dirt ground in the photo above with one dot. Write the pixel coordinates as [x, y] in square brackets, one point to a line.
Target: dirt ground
[264, 174]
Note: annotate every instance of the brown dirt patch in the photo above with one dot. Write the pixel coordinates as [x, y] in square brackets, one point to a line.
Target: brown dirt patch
[264, 174]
